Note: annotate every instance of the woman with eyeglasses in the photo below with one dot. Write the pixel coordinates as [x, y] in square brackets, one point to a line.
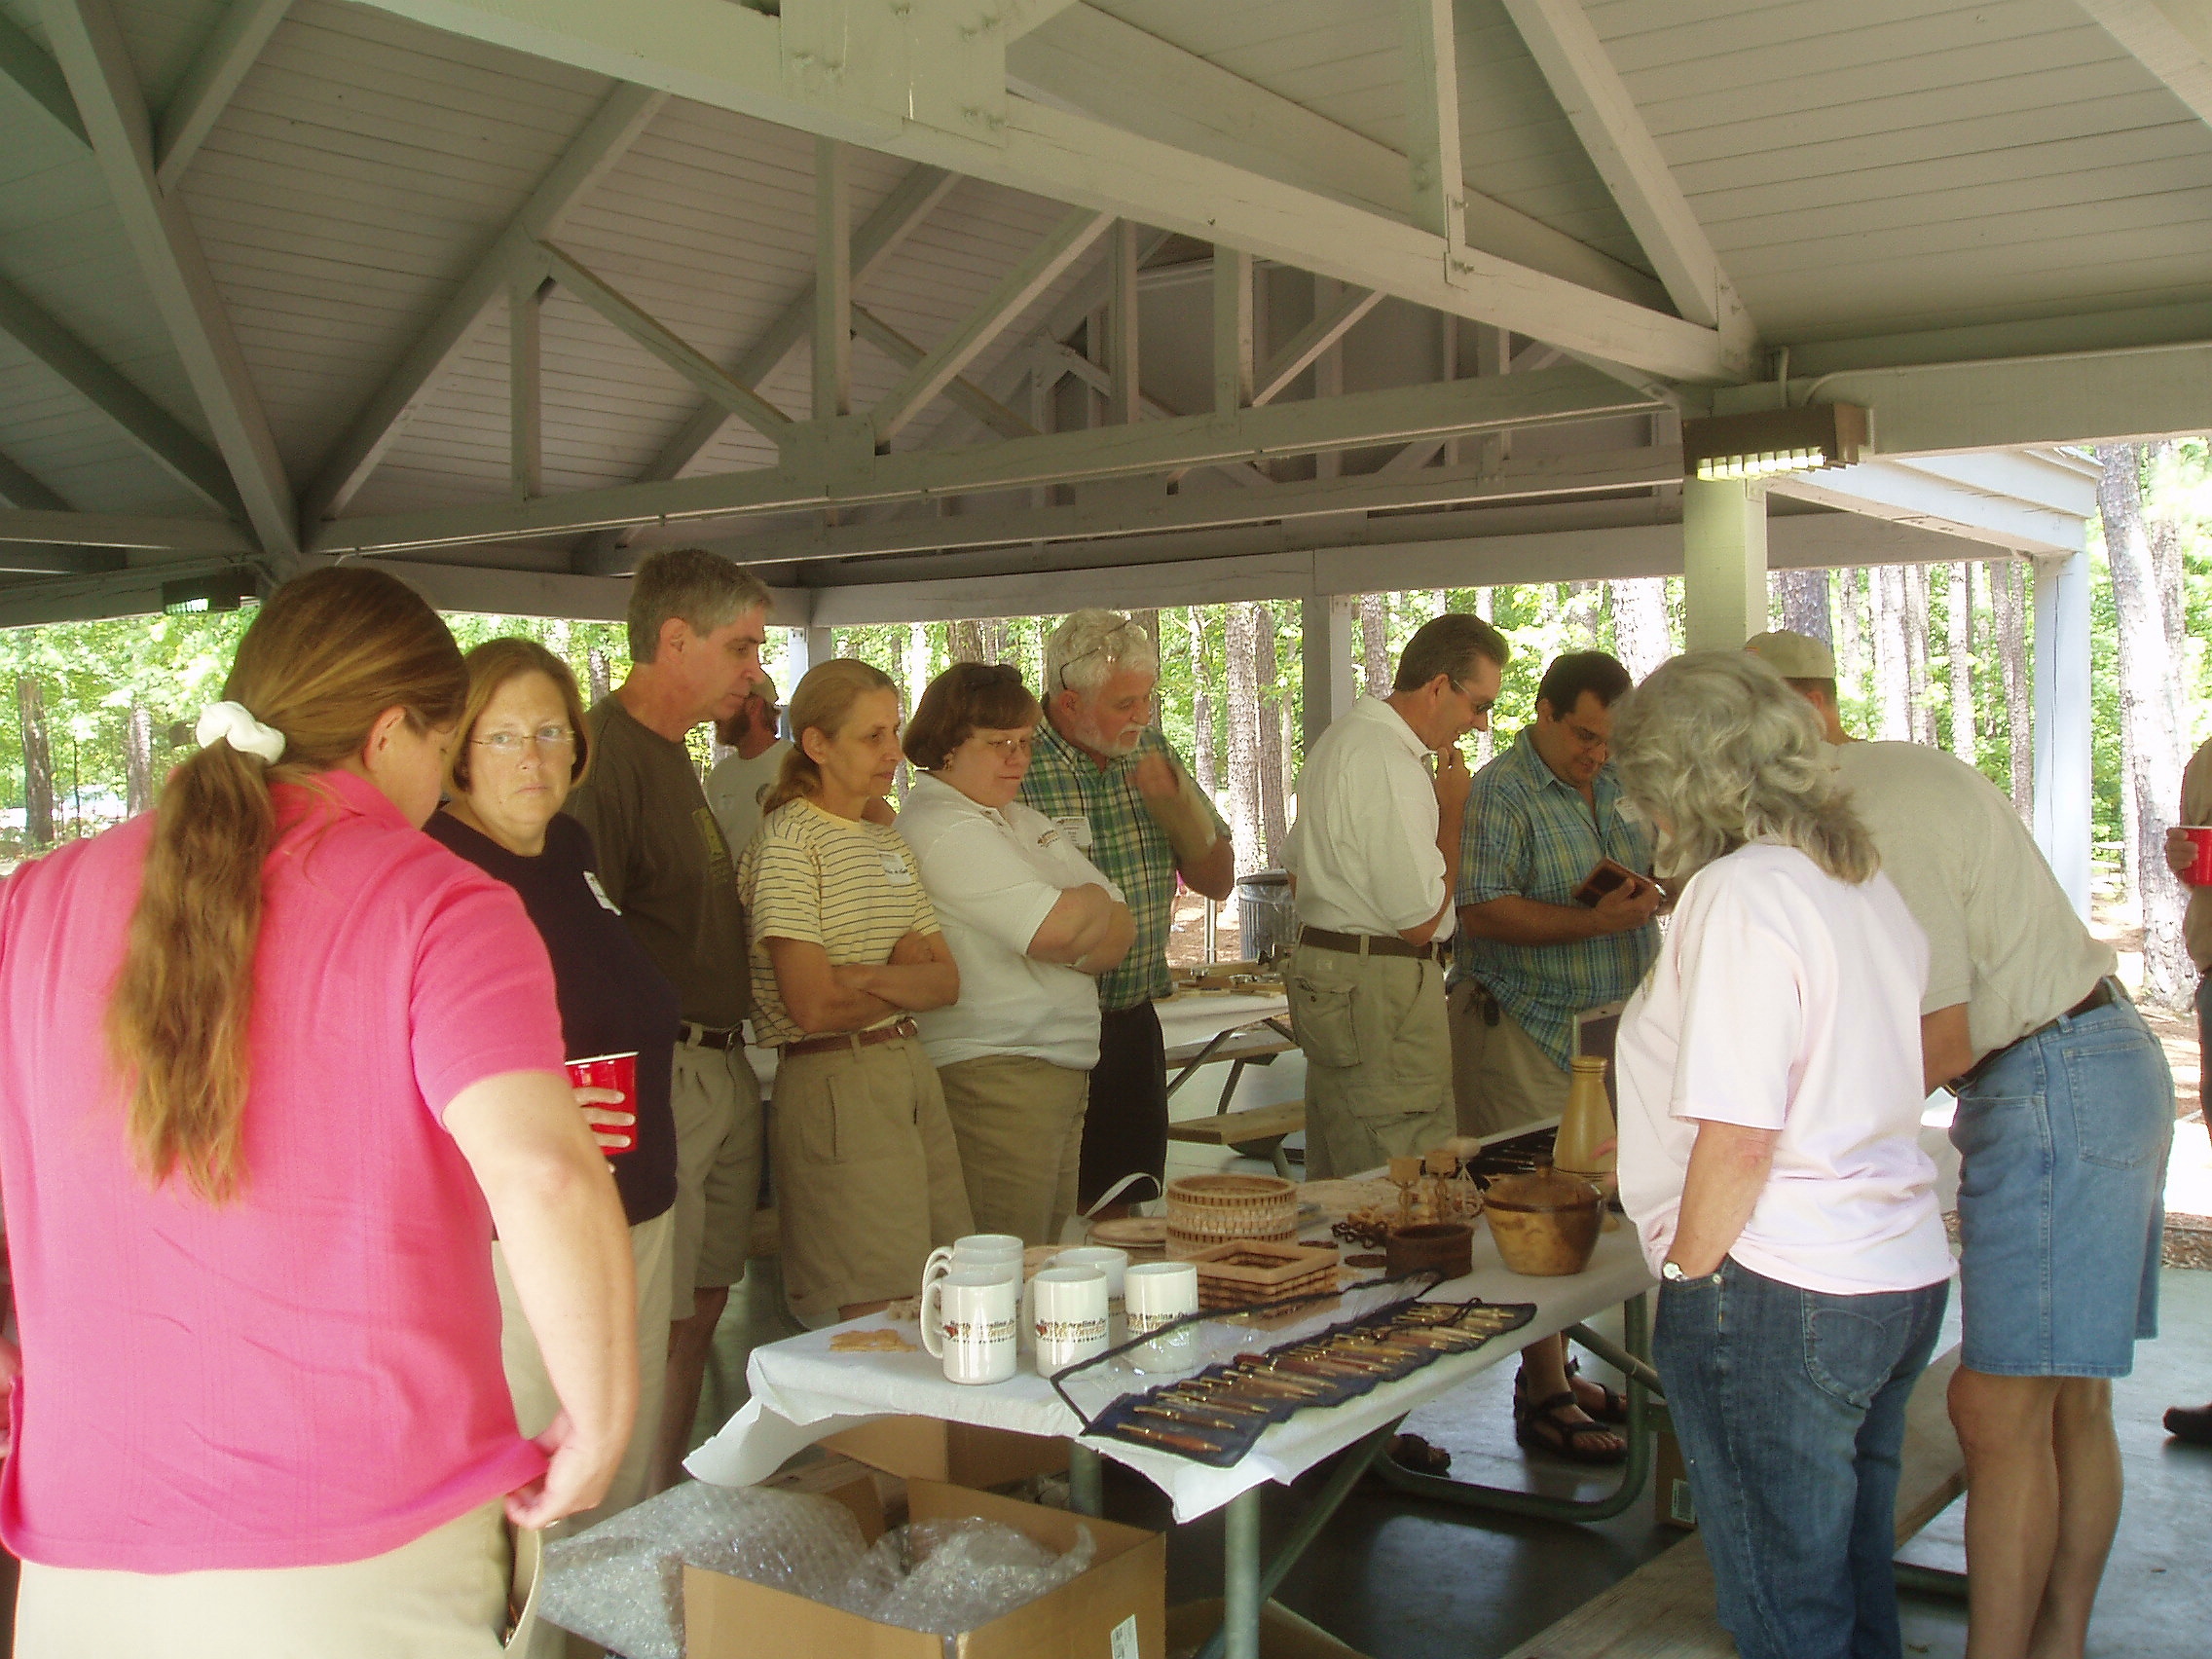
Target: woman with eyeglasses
[846, 950]
[1031, 923]
[524, 746]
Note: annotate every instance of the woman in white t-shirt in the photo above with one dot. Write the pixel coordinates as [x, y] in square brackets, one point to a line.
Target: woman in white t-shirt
[1031, 923]
[1770, 1098]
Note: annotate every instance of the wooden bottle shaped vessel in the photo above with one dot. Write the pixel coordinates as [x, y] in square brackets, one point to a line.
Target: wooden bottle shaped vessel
[1586, 1125]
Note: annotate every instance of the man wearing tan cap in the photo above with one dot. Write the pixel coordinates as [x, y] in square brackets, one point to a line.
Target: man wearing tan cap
[2064, 1117]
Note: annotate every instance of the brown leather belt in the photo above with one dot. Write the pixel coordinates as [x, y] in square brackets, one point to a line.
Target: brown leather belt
[1372, 944]
[711, 1037]
[2108, 991]
[852, 1039]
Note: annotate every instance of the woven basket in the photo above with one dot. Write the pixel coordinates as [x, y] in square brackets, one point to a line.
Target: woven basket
[1205, 1210]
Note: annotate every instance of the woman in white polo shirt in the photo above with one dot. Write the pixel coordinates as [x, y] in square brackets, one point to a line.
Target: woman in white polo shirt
[1031, 923]
[1770, 1097]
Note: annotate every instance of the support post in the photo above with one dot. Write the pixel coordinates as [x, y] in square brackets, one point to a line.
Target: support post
[1231, 330]
[1723, 562]
[1240, 1576]
[2062, 721]
[526, 424]
[1326, 623]
[833, 282]
[1122, 255]
[809, 648]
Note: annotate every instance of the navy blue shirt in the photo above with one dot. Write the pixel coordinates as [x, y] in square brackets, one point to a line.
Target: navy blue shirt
[613, 1000]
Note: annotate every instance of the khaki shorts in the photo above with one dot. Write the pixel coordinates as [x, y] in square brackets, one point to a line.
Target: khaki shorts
[1378, 1058]
[868, 1176]
[1019, 1121]
[717, 1103]
[652, 1252]
[444, 1596]
[1500, 1078]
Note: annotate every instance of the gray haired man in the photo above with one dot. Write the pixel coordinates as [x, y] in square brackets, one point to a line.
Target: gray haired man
[1106, 776]
[696, 624]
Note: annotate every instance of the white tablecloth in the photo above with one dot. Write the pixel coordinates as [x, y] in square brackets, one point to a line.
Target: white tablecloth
[1187, 1021]
[802, 1391]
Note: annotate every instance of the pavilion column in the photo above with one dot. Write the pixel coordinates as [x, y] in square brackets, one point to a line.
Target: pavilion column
[1723, 562]
[809, 645]
[2063, 791]
[1325, 653]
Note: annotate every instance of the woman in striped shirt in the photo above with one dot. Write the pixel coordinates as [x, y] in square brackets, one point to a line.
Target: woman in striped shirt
[846, 949]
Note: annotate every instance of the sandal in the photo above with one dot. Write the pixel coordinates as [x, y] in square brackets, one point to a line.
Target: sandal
[1541, 1427]
[1613, 1407]
[2190, 1423]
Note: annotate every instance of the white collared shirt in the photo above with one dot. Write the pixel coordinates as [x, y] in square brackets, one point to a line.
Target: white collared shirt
[994, 875]
[1364, 847]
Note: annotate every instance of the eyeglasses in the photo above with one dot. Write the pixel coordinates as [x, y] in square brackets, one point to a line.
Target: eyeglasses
[1009, 748]
[1478, 708]
[509, 745]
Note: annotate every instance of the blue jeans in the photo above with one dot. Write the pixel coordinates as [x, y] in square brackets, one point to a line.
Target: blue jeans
[1789, 1405]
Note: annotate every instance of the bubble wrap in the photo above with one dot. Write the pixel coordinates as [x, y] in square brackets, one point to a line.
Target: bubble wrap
[621, 1583]
[954, 1575]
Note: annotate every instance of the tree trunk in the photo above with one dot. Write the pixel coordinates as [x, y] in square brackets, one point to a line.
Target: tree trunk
[2149, 718]
[1201, 704]
[963, 643]
[1804, 596]
[1272, 756]
[1886, 583]
[1243, 738]
[1583, 602]
[1851, 617]
[138, 761]
[1149, 622]
[1486, 607]
[1375, 642]
[1959, 661]
[38, 762]
[2008, 612]
[1642, 639]
[595, 672]
[1919, 691]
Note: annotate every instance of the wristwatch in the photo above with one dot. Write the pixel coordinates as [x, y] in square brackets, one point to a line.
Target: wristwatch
[1672, 1272]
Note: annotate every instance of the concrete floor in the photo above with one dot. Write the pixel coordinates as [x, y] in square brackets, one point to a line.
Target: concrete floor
[1398, 1578]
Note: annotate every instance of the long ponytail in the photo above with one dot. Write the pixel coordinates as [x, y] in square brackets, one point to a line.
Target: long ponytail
[328, 654]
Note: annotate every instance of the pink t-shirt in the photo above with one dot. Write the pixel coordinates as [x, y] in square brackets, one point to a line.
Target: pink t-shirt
[310, 1374]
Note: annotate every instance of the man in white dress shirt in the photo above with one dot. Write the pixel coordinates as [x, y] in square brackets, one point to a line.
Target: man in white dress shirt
[1373, 857]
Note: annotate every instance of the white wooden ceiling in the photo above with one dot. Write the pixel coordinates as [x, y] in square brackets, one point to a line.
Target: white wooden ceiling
[1882, 183]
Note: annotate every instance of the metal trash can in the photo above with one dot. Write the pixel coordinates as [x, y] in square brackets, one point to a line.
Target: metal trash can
[1266, 921]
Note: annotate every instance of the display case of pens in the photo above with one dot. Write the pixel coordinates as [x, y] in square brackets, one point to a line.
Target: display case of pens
[1215, 1414]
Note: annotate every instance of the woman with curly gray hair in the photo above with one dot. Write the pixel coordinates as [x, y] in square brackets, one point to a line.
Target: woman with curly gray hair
[1770, 1095]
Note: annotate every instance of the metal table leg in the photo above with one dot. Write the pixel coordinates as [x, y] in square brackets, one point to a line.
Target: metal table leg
[1646, 1415]
[1245, 1588]
[1086, 1495]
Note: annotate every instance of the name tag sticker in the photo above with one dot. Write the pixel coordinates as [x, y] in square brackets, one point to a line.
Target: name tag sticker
[895, 872]
[591, 880]
[1076, 830]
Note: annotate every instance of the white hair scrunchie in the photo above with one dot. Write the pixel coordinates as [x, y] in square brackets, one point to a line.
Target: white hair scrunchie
[234, 723]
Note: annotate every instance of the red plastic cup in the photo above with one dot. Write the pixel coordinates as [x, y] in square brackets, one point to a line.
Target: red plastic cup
[2200, 872]
[618, 1072]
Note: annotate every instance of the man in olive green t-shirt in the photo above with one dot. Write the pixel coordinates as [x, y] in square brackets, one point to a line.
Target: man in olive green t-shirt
[696, 624]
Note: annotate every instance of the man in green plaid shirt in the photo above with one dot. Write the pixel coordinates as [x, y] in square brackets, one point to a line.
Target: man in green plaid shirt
[1114, 786]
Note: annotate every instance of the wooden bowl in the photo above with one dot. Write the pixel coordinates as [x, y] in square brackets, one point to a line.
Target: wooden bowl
[1445, 1247]
[1546, 1224]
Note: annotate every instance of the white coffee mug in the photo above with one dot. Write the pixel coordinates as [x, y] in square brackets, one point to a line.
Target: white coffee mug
[968, 1321]
[1065, 1310]
[1157, 1294]
[977, 1252]
[1113, 1262]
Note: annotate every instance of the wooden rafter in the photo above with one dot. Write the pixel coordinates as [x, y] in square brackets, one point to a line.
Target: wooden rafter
[1309, 342]
[2170, 38]
[35, 74]
[833, 282]
[1436, 178]
[213, 75]
[609, 132]
[125, 530]
[960, 389]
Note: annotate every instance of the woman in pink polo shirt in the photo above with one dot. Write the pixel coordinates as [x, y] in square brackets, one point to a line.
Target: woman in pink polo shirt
[273, 1065]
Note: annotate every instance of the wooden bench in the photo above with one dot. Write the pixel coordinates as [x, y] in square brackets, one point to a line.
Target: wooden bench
[1664, 1610]
[1257, 1131]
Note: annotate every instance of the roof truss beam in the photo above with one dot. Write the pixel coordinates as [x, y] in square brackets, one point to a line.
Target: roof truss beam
[1309, 342]
[1009, 298]
[734, 57]
[39, 78]
[625, 114]
[124, 530]
[19, 488]
[92, 53]
[1566, 46]
[2170, 38]
[213, 75]
[960, 389]
[826, 475]
[731, 393]
[153, 429]
[1435, 173]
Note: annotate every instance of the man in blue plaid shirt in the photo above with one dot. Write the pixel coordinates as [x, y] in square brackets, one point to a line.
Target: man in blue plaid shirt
[1541, 817]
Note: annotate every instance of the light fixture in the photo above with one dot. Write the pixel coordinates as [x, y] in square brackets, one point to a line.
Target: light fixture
[196, 594]
[1769, 441]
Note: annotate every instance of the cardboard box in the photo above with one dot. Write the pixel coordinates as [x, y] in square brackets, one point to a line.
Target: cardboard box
[925, 1448]
[1283, 1634]
[1671, 1486]
[854, 1485]
[1117, 1610]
